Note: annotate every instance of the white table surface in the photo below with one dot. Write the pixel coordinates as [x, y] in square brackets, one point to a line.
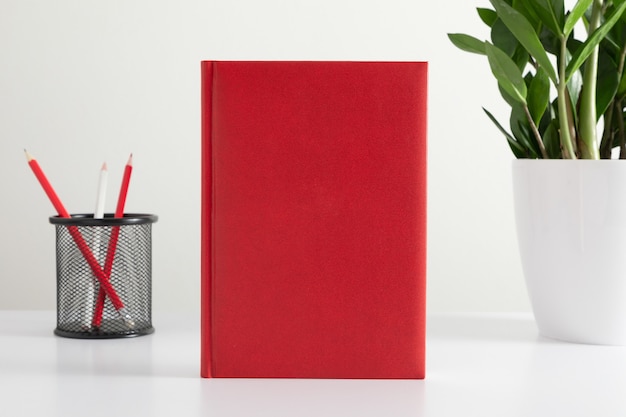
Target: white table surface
[477, 365]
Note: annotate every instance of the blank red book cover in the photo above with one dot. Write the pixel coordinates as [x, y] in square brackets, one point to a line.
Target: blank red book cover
[313, 219]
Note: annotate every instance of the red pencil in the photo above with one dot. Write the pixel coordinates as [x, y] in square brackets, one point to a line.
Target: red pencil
[47, 187]
[115, 232]
[121, 200]
[75, 233]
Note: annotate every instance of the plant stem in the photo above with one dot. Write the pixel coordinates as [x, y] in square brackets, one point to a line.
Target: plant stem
[620, 67]
[619, 108]
[607, 136]
[536, 133]
[587, 115]
[564, 118]
[570, 116]
[620, 124]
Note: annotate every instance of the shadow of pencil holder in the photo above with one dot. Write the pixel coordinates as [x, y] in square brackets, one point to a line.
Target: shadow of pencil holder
[104, 276]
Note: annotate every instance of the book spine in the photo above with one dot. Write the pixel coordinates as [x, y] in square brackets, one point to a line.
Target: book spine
[206, 226]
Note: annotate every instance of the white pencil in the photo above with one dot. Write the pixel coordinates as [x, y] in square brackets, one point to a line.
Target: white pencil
[102, 190]
[90, 290]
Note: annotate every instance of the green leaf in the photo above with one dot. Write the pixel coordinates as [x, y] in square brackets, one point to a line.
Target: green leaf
[577, 12]
[488, 16]
[521, 57]
[525, 34]
[506, 72]
[558, 8]
[616, 3]
[551, 140]
[596, 37]
[506, 96]
[530, 14]
[547, 118]
[518, 150]
[520, 128]
[467, 43]
[608, 83]
[550, 42]
[546, 11]
[616, 38]
[538, 95]
[502, 37]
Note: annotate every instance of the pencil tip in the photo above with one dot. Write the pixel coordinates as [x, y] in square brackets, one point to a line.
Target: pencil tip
[29, 157]
[104, 166]
[130, 160]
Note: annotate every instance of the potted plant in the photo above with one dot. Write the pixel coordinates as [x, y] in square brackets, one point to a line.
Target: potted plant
[566, 94]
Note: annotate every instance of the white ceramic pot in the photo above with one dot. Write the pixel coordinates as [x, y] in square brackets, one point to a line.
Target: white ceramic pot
[571, 226]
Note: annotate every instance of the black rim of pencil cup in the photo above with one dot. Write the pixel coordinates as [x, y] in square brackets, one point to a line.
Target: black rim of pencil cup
[122, 248]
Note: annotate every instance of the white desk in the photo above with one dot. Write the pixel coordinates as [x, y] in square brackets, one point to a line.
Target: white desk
[477, 365]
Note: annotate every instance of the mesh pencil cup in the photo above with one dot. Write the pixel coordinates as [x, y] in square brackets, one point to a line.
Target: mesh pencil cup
[104, 276]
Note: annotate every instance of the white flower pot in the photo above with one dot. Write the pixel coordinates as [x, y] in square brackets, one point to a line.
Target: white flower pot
[571, 226]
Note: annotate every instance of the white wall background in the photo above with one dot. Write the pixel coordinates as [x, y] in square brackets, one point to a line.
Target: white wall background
[84, 81]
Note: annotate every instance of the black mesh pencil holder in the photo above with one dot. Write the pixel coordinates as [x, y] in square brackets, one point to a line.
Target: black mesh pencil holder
[104, 276]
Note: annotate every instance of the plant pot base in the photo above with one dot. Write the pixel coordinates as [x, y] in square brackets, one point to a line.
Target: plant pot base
[560, 333]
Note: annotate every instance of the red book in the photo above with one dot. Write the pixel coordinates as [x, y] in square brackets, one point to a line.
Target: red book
[313, 219]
